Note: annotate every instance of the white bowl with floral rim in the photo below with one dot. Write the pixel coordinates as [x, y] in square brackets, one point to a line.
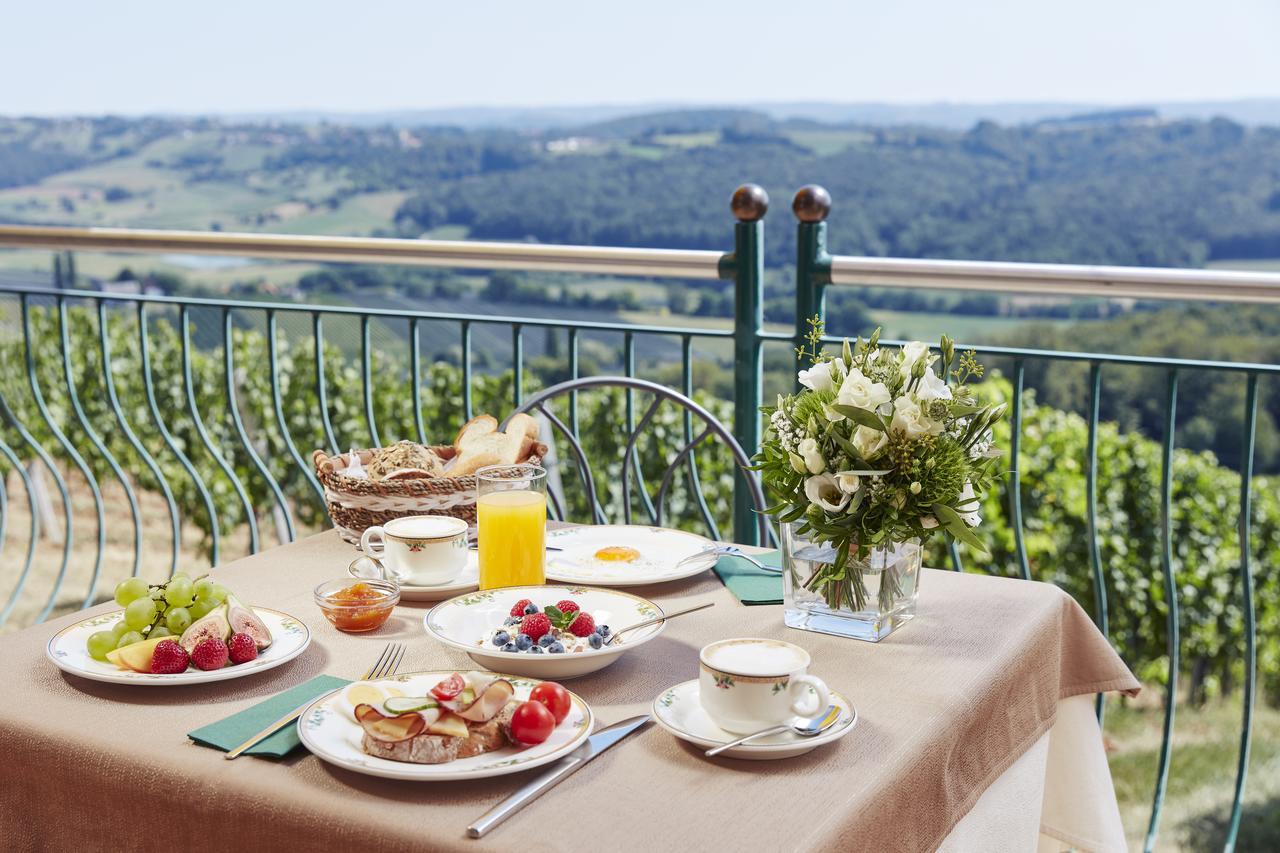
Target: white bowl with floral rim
[67, 649]
[329, 731]
[467, 622]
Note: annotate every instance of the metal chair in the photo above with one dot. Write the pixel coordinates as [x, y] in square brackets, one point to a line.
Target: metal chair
[538, 406]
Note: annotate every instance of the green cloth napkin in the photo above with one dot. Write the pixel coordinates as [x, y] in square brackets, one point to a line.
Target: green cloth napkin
[230, 732]
[749, 584]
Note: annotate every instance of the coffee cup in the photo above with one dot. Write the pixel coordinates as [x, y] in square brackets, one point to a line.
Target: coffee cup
[747, 684]
[419, 550]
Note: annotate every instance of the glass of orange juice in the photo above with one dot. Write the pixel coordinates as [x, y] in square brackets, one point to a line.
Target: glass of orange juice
[511, 519]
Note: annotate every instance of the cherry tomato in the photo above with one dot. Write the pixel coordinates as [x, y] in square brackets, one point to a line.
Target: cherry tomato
[555, 697]
[532, 723]
[449, 688]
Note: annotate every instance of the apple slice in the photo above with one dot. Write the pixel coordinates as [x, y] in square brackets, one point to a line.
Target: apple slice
[136, 656]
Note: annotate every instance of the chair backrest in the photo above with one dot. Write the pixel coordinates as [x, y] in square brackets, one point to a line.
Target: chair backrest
[632, 476]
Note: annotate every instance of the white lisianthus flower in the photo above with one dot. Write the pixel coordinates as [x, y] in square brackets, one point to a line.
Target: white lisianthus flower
[911, 353]
[967, 506]
[823, 491]
[858, 390]
[928, 522]
[916, 487]
[912, 420]
[823, 376]
[868, 441]
[812, 456]
[932, 387]
[848, 482]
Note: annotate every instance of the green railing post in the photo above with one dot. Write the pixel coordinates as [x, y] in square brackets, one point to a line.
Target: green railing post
[811, 205]
[746, 267]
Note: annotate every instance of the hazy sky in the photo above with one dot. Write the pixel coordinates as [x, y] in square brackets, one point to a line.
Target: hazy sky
[234, 56]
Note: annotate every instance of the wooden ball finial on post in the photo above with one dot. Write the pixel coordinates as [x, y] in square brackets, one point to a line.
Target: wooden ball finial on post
[749, 203]
[812, 203]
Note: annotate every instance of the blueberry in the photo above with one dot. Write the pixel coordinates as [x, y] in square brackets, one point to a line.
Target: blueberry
[603, 631]
[596, 641]
[523, 642]
[501, 638]
[537, 650]
[555, 648]
[510, 647]
[530, 609]
[546, 640]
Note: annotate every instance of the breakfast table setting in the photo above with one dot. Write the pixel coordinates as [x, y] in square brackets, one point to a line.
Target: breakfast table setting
[447, 669]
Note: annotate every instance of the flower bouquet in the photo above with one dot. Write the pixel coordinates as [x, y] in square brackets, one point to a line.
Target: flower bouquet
[867, 460]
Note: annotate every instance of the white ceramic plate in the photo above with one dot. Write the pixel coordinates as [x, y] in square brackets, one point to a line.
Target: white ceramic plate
[679, 711]
[661, 551]
[365, 566]
[466, 621]
[334, 736]
[289, 638]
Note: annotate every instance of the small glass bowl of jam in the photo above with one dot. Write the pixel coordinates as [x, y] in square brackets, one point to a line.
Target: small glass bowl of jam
[357, 606]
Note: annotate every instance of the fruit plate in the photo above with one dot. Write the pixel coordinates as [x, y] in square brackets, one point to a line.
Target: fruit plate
[660, 550]
[679, 711]
[289, 638]
[465, 622]
[365, 566]
[327, 728]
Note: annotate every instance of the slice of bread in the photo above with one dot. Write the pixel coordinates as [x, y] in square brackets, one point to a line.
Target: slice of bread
[473, 429]
[478, 445]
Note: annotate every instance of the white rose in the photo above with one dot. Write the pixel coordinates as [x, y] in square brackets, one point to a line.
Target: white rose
[858, 390]
[822, 376]
[823, 491]
[848, 482]
[968, 505]
[813, 461]
[911, 353]
[928, 522]
[912, 420]
[868, 441]
[932, 387]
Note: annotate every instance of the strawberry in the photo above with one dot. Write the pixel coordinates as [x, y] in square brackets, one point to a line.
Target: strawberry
[209, 654]
[517, 609]
[568, 606]
[242, 648]
[583, 626]
[169, 658]
[535, 625]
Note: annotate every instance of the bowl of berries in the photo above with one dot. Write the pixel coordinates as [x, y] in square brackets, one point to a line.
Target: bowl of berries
[543, 631]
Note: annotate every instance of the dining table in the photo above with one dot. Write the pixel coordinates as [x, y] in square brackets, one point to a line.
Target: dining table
[975, 731]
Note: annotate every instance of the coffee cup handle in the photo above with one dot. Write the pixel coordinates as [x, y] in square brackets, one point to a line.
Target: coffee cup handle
[367, 542]
[798, 693]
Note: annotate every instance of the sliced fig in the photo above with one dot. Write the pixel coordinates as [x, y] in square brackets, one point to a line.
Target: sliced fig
[389, 729]
[244, 621]
[211, 626]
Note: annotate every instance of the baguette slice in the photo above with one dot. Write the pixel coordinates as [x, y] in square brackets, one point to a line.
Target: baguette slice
[480, 425]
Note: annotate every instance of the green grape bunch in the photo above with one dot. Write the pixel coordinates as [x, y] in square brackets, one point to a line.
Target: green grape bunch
[156, 610]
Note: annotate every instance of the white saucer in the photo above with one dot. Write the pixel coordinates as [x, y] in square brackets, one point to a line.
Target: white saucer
[679, 711]
[662, 551]
[366, 567]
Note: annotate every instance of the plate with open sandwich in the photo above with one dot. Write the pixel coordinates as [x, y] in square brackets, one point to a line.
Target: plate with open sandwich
[443, 725]
[230, 641]
[625, 555]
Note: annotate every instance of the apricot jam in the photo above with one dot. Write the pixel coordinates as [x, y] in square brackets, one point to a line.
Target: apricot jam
[357, 608]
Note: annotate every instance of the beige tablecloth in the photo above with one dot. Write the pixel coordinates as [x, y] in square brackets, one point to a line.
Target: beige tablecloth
[946, 706]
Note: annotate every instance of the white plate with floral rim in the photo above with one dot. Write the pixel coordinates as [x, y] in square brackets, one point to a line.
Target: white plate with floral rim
[679, 711]
[289, 638]
[333, 735]
[467, 623]
[365, 566]
[640, 555]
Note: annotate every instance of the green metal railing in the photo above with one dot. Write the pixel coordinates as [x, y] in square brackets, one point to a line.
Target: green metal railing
[234, 441]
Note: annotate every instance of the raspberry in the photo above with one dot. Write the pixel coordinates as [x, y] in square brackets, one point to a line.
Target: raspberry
[568, 606]
[517, 609]
[535, 625]
[169, 658]
[242, 648]
[210, 654]
[583, 626]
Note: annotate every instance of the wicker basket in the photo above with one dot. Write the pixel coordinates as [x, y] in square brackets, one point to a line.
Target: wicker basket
[356, 504]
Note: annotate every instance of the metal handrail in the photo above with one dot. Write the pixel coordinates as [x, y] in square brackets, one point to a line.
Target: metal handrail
[605, 260]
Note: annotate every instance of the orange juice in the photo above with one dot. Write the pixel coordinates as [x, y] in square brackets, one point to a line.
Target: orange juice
[513, 535]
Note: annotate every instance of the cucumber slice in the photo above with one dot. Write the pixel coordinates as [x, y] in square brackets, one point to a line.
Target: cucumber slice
[397, 705]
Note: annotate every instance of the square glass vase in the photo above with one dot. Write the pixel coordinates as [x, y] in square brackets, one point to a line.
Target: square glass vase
[889, 586]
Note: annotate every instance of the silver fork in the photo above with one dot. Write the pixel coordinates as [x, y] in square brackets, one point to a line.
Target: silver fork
[729, 551]
[387, 664]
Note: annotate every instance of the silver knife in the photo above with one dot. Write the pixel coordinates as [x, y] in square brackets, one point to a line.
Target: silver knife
[561, 770]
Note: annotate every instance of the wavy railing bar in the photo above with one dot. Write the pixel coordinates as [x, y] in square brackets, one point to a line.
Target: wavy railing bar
[1059, 279]
[604, 260]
